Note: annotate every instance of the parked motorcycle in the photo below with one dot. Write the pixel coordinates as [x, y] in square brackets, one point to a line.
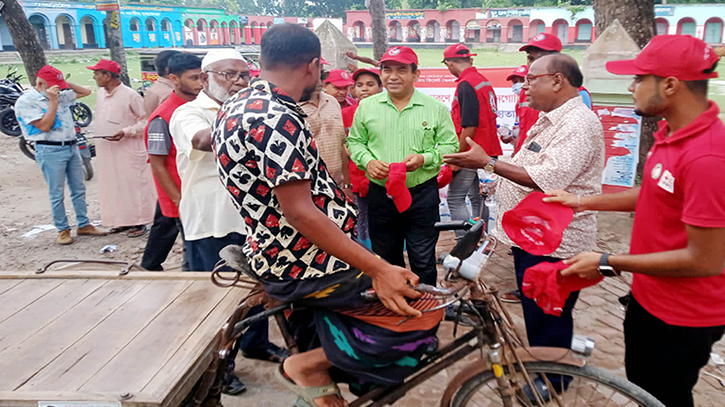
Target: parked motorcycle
[88, 151]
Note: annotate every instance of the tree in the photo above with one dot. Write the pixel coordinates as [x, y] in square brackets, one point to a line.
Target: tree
[24, 38]
[638, 19]
[379, 30]
[115, 43]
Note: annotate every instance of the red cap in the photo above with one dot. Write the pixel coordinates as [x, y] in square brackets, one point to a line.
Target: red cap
[455, 51]
[323, 62]
[361, 71]
[686, 59]
[545, 41]
[521, 72]
[254, 72]
[445, 176]
[52, 76]
[340, 78]
[404, 55]
[549, 289]
[106, 65]
[536, 226]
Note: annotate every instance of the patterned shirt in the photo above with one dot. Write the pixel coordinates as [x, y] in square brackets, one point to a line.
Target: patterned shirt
[563, 150]
[32, 105]
[262, 141]
[325, 119]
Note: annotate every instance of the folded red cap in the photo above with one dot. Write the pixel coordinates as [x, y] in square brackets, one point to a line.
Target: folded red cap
[457, 51]
[520, 72]
[445, 176]
[545, 41]
[536, 226]
[52, 76]
[361, 71]
[106, 65]
[396, 187]
[544, 284]
[404, 55]
[686, 59]
[340, 78]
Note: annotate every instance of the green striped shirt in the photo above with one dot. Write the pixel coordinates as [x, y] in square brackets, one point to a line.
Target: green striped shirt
[380, 132]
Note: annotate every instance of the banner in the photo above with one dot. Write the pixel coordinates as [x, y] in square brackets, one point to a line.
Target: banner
[405, 15]
[107, 5]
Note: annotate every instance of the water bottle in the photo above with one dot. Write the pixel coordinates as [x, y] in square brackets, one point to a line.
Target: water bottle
[515, 130]
[491, 206]
[445, 213]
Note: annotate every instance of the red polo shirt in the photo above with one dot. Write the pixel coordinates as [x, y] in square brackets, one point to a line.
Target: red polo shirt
[683, 184]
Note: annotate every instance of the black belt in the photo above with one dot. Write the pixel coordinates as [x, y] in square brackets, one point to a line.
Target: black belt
[56, 143]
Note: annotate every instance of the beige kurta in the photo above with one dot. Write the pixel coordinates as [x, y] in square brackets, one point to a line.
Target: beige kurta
[127, 192]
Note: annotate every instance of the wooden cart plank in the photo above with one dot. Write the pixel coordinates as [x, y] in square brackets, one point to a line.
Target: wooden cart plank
[106, 275]
[31, 319]
[34, 353]
[157, 343]
[6, 285]
[87, 356]
[23, 294]
[191, 360]
[30, 399]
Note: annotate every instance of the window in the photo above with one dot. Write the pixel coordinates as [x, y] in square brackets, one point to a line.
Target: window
[134, 25]
[150, 24]
[165, 25]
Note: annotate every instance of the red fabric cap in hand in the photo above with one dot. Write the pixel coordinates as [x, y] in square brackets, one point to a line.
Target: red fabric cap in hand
[445, 176]
[396, 187]
[544, 284]
[357, 176]
[536, 226]
[363, 188]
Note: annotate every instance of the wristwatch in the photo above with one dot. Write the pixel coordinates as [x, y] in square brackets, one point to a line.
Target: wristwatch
[346, 186]
[489, 167]
[604, 268]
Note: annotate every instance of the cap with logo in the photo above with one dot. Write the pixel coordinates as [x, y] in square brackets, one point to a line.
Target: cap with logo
[520, 72]
[106, 65]
[52, 77]
[371, 71]
[340, 78]
[457, 51]
[536, 226]
[687, 59]
[403, 55]
[545, 41]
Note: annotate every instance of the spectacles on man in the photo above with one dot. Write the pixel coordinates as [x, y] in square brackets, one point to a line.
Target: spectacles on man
[233, 76]
[532, 78]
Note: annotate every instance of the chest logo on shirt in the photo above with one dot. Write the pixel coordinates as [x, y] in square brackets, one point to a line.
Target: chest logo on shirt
[425, 124]
[657, 171]
[667, 182]
[492, 102]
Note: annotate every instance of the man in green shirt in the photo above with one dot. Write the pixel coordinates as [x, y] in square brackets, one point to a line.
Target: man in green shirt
[403, 125]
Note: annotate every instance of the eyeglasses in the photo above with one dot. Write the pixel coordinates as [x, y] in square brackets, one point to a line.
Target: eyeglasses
[233, 76]
[324, 75]
[531, 78]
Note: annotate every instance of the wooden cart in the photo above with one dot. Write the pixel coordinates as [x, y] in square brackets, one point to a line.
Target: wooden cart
[94, 338]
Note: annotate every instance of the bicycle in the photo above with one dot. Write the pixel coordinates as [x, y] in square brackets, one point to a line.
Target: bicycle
[506, 374]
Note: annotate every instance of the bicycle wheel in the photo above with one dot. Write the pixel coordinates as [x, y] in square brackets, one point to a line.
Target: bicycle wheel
[588, 386]
[82, 114]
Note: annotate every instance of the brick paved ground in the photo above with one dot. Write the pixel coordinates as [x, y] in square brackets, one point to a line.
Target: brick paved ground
[597, 315]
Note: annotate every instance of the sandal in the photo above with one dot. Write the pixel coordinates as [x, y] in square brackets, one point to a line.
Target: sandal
[137, 231]
[307, 394]
[118, 230]
[511, 297]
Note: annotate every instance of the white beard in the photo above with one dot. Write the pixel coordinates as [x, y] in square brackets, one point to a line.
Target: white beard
[217, 91]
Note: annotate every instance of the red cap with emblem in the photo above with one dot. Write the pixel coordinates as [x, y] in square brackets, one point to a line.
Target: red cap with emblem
[106, 65]
[545, 41]
[340, 78]
[687, 59]
[371, 71]
[457, 51]
[52, 76]
[536, 226]
[404, 55]
[520, 72]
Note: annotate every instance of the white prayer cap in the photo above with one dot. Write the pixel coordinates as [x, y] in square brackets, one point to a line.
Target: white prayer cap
[220, 54]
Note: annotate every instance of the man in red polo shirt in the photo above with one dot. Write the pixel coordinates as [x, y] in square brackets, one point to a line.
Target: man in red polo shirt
[677, 306]
[474, 115]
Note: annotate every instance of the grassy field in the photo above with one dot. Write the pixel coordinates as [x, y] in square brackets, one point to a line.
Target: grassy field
[428, 58]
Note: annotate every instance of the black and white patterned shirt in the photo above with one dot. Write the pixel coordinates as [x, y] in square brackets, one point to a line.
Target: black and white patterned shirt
[261, 141]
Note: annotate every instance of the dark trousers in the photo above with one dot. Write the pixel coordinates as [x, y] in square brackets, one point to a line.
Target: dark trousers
[161, 240]
[664, 359]
[543, 329]
[391, 231]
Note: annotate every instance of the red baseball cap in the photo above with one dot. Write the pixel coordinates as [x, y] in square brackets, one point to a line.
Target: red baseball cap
[106, 65]
[457, 51]
[545, 41]
[52, 76]
[536, 226]
[371, 71]
[686, 59]
[445, 176]
[404, 55]
[323, 62]
[521, 72]
[340, 78]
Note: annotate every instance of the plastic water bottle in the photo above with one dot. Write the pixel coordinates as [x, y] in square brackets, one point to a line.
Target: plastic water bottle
[445, 213]
[491, 206]
[515, 130]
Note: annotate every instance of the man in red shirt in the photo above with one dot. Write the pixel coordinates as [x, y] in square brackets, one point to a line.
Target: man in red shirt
[474, 115]
[677, 306]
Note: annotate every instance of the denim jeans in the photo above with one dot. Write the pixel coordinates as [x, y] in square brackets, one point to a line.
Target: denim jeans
[59, 163]
[464, 183]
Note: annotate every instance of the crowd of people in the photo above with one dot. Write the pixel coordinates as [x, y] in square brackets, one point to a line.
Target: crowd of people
[328, 177]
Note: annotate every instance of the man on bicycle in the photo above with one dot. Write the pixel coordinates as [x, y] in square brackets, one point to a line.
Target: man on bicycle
[676, 311]
[300, 229]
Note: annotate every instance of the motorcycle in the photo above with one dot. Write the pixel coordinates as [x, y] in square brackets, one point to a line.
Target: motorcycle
[87, 151]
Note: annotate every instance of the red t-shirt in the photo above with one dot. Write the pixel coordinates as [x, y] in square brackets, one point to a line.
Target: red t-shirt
[357, 176]
[683, 184]
[527, 118]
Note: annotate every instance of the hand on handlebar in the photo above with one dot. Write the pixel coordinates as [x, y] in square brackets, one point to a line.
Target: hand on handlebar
[393, 285]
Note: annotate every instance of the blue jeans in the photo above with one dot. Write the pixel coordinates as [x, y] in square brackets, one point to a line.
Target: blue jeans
[59, 163]
[464, 183]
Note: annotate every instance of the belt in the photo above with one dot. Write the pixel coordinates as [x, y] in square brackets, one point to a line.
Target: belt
[56, 143]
